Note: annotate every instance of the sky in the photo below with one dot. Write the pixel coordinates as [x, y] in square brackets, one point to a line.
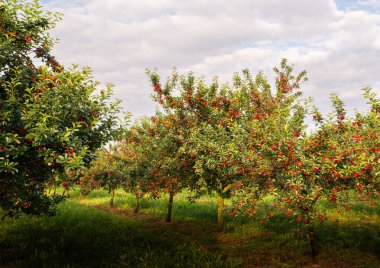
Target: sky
[336, 42]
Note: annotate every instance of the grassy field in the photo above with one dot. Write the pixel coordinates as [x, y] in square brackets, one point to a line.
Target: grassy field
[87, 233]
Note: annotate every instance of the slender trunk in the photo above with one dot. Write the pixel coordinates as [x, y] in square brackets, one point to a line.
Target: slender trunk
[313, 244]
[112, 198]
[137, 203]
[55, 188]
[170, 206]
[221, 206]
[64, 191]
[220, 211]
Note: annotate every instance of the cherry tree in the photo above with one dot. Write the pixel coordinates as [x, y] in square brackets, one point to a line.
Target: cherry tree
[51, 118]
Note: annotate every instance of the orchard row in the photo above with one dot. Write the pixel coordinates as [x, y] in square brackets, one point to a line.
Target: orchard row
[245, 139]
[249, 141]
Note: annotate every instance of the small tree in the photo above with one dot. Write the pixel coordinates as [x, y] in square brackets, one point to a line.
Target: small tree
[302, 168]
[174, 169]
[157, 164]
[221, 121]
[201, 111]
[135, 160]
[104, 172]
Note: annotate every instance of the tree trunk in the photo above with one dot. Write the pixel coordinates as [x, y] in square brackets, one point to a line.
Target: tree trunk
[220, 211]
[55, 188]
[313, 244]
[170, 206]
[221, 206]
[137, 203]
[112, 198]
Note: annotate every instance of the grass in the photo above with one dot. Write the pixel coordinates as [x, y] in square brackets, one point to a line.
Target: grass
[87, 233]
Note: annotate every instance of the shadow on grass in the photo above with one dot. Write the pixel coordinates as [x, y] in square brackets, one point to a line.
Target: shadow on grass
[87, 237]
[353, 241]
[347, 241]
[203, 210]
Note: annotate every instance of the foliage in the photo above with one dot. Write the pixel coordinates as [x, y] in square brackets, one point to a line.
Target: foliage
[341, 155]
[253, 139]
[220, 123]
[51, 119]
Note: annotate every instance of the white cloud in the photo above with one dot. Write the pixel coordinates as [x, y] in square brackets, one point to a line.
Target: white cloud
[120, 38]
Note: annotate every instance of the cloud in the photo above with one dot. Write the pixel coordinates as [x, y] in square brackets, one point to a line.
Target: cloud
[338, 45]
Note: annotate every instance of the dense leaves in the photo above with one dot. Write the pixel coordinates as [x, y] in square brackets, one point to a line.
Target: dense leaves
[51, 119]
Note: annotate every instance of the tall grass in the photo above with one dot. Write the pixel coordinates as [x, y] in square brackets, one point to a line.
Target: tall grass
[87, 233]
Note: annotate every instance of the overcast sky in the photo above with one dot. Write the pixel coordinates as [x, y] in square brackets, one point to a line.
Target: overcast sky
[337, 42]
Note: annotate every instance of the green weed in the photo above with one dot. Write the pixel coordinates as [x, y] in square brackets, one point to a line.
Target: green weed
[86, 232]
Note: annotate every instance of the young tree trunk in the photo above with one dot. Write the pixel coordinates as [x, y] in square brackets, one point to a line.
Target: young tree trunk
[313, 244]
[221, 206]
[220, 212]
[112, 198]
[137, 202]
[55, 188]
[170, 206]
